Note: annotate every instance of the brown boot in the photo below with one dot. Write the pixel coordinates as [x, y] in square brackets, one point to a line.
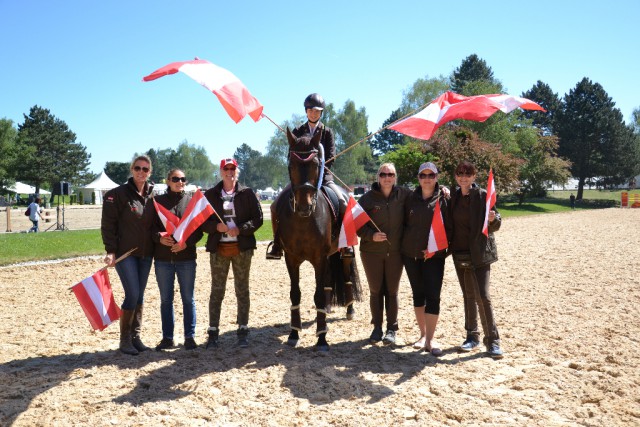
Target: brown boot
[136, 325]
[126, 346]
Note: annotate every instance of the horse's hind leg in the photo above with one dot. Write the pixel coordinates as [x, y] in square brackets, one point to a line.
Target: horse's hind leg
[348, 287]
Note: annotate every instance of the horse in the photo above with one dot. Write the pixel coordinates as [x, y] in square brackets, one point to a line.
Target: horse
[308, 232]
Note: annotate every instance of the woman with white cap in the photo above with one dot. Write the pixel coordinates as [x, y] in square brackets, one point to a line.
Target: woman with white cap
[425, 275]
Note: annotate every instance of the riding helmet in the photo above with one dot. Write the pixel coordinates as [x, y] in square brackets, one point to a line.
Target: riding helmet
[314, 101]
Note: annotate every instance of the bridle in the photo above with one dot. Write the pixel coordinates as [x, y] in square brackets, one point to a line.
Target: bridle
[306, 157]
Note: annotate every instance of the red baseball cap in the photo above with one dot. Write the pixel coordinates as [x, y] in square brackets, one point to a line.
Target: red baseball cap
[225, 162]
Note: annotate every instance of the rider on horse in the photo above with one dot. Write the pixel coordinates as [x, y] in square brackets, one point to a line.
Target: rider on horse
[313, 105]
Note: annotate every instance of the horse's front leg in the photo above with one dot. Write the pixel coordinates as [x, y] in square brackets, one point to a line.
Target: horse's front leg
[321, 271]
[295, 295]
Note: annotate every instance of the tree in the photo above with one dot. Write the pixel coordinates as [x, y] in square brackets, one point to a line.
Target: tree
[473, 70]
[191, 159]
[117, 171]
[542, 94]
[350, 125]
[592, 134]
[423, 92]
[8, 136]
[387, 139]
[248, 161]
[635, 121]
[407, 159]
[48, 151]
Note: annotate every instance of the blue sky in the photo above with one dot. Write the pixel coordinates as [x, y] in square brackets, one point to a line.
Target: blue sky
[85, 60]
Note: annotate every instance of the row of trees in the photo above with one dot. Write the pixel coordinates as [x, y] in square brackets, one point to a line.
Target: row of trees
[582, 134]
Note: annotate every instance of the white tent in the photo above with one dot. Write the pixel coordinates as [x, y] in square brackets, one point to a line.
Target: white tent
[21, 188]
[98, 187]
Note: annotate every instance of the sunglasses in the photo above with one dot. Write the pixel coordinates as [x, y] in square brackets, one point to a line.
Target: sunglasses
[427, 175]
[178, 179]
[141, 168]
[387, 175]
[229, 168]
[467, 174]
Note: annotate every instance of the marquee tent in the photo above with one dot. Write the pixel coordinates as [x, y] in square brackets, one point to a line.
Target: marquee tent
[21, 188]
[98, 187]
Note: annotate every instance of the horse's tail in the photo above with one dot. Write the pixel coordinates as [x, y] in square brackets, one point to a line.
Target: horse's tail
[341, 293]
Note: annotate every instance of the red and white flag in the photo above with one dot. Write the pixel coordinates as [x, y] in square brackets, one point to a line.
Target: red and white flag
[490, 202]
[451, 106]
[168, 219]
[437, 234]
[234, 96]
[197, 212]
[354, 218]
[96, 299]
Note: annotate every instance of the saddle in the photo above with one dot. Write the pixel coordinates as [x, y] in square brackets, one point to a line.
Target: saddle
[334, 207]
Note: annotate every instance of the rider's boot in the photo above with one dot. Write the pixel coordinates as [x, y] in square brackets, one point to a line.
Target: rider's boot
[348, 251]
[276, 248]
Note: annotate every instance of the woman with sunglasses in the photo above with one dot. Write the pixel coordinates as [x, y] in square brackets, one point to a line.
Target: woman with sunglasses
[473, 254]
[380, 250]
[171, 260]
[231, 243]
[425, 275]
[127, 214]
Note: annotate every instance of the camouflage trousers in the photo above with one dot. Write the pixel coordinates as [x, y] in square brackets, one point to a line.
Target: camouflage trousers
[241, 264]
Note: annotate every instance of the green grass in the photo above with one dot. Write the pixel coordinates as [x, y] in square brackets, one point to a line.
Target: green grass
[23, 247]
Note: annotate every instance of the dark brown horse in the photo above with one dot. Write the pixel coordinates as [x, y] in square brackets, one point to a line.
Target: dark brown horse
[305, 230]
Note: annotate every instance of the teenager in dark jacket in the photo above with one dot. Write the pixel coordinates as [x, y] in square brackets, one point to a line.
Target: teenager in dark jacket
[380, 250]
[172, 259]
[473, 254]
[231, 242]
[425, 275]
[127, 215]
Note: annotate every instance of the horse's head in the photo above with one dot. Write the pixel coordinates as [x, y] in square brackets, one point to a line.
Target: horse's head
[305, 170]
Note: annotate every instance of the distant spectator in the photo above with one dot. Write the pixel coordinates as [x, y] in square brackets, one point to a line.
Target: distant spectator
[34, 214]
[572, 201]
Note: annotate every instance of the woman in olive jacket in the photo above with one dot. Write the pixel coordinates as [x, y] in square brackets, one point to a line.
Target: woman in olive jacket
[473, 254]
[425, 275]
[127, 214]
[174, 260]
[380, 250]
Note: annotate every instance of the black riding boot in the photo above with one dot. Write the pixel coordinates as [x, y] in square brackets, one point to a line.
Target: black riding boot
[126, 346]
[276, 248]
[135, 330]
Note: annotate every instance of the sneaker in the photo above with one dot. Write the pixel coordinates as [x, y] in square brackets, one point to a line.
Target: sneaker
[190, 344]
[469, 345]
[212, 342]
[376, 336]
[389, 337]
[243, 341]
[165, 344]
[495, 351]
[275, 252]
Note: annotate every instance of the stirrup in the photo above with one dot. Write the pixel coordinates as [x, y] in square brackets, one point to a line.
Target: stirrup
[274, 254]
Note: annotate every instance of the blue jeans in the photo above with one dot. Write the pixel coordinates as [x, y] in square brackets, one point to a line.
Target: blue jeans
[134, 273]
[166, 272]
[35, 227]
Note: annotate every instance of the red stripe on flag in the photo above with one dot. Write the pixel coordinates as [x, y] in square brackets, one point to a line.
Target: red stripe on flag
[96, 299]
[354, 218]
[437, 234]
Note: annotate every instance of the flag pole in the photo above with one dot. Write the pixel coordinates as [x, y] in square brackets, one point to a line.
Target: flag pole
[120, 258]
[275, 124]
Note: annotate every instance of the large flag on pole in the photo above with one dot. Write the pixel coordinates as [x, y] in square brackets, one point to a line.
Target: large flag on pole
[437, 234]
[96, 299]
[168, 219]
[234, 96]
[354, 218]
[197, 212]
[490, 202]
[451, 106]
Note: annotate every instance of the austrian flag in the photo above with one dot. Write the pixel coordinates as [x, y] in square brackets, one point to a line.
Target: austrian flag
[232, 94]
[354, 218]
[197, 212]
[490, 202]
[168, 219]
[96, 299]
[451, 106]
[437, 234]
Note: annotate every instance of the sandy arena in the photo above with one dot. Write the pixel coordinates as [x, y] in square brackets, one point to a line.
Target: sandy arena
[566, 296]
